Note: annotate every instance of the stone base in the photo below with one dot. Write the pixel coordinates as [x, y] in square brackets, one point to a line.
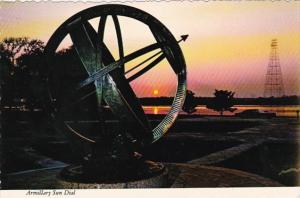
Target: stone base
[151, 175]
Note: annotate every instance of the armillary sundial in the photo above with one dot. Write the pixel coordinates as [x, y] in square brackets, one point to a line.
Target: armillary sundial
[109, 150]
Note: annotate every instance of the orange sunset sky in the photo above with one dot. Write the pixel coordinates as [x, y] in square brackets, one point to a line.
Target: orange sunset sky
[228, 45]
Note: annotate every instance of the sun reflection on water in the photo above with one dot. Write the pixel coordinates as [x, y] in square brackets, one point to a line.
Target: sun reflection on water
[155, 110]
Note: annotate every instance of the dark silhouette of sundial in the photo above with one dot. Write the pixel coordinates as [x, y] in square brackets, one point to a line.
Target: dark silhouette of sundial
[109, 149]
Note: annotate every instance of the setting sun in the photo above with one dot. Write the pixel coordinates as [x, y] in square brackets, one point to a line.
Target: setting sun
[155, 92]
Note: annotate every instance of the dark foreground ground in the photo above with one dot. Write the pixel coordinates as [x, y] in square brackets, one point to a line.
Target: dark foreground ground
[264, 147]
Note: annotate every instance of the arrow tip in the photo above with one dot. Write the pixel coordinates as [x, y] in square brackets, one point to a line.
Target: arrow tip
[184, 37]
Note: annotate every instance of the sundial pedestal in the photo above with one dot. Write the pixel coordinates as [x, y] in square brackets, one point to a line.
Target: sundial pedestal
[113, 164]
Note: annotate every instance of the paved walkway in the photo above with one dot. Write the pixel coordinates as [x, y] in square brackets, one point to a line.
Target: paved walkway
[209, 176]
[225, 154]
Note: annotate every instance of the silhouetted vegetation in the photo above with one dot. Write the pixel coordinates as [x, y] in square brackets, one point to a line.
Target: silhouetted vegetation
[22, 70]
[223, 101]
[25, 74]
[190, 104]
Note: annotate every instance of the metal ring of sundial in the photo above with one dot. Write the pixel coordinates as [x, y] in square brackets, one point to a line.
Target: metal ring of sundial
[108, 75]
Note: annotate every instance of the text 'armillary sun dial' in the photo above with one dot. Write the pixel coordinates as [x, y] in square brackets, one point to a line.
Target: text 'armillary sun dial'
[84, 92]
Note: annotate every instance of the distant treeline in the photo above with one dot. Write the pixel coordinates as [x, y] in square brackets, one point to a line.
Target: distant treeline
[286, 100]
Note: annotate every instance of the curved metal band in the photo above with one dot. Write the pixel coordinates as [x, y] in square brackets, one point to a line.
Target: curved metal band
[119, 38]
[170, 118]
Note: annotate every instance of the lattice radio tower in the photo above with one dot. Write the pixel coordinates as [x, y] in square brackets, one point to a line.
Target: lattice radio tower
[274, 83]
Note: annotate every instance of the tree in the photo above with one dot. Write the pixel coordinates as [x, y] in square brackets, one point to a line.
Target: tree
[34, 46]
[32, 74]
[190, 104]
[22, 60]
[12, 47]
[20, 52]
[223, 101]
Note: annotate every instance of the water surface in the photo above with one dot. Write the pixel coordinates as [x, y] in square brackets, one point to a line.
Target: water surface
[281, 111]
